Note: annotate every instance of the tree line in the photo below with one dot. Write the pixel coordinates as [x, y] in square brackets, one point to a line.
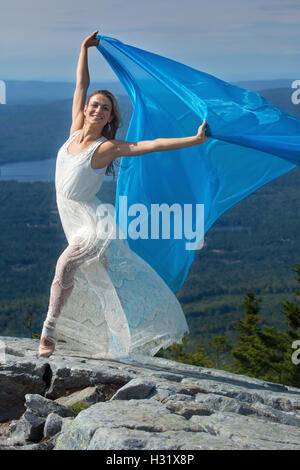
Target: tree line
[263, 352]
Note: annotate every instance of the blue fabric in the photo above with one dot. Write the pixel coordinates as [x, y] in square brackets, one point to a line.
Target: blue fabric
[251, 143]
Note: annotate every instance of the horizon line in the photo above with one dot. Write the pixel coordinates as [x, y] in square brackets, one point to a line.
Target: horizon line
[118, 82]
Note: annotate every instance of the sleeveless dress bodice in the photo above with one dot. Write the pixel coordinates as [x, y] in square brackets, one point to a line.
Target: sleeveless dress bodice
[75, 178]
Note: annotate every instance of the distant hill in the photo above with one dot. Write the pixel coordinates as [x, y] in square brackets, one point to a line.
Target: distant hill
[43, 125]
[281, 97]
[256, 85]
[39, 92]
[42, 128]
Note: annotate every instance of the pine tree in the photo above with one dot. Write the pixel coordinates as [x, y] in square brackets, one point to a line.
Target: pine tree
[291, 310]
[267, 353]
[220, 345]
[199, 358]
[178, 353]
[271, 352]
[245, 351]
[259, 352]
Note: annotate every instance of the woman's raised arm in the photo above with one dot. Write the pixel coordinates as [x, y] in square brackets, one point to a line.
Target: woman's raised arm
[82, 83]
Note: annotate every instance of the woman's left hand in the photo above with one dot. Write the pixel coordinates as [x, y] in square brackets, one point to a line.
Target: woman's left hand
[91, 40]
[201, 136]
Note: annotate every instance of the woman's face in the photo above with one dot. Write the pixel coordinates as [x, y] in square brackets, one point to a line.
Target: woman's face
[98, 110]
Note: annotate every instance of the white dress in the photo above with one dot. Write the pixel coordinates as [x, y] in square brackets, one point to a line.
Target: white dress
[119, 306]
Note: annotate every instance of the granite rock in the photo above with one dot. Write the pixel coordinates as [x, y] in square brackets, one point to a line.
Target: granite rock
[30, 426]
[149, 403]
[88, 395]
[135, 388]
[53, 425]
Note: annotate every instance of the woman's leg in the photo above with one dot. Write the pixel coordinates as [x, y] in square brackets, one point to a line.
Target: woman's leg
[71, 258]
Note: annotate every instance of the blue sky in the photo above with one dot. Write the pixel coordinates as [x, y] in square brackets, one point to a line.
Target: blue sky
[232, 39]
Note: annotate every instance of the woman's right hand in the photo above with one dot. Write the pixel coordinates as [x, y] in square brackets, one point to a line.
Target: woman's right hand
[201, 136]
[90, 40]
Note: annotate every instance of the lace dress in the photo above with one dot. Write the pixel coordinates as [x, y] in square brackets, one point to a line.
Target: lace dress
[117, 305]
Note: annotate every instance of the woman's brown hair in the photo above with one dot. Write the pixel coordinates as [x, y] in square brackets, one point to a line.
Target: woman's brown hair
[110, 129]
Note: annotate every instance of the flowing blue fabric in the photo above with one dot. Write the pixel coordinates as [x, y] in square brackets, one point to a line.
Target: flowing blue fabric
[251, 142]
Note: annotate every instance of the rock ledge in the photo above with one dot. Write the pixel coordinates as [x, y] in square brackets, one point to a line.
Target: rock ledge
[73, 402]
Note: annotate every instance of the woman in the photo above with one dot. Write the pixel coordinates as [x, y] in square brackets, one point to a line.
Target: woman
[91, 306]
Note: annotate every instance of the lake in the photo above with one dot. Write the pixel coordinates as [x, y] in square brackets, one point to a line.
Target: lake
[31, 172]
[28, 172]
